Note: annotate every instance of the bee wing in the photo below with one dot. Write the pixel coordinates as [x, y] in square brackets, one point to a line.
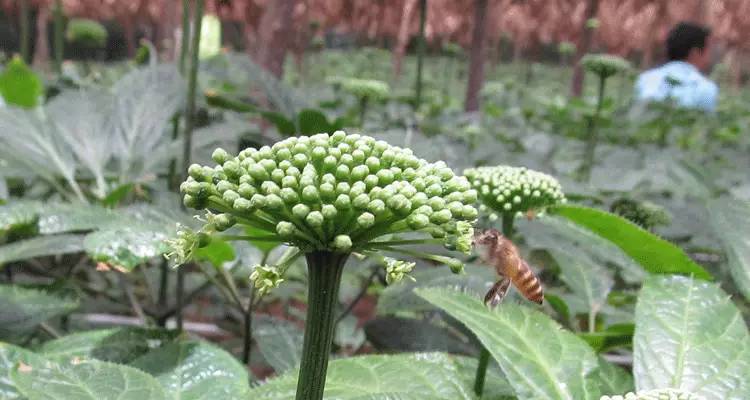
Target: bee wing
[497, 293]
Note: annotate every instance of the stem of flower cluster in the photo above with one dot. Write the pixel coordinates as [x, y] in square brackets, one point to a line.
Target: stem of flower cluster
[484, 356]
[324, 275]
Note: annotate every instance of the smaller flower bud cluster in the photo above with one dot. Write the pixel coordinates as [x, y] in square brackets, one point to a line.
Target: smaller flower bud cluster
[396, 270]
[605, 65]
[365, 88]
[659, 394]
[511, 190]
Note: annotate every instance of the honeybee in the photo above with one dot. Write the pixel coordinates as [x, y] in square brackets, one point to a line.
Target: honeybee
[501, 253]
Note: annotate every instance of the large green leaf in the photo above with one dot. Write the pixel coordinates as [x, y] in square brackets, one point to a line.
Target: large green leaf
[196, 371]
[10, 357]
[118, 345]
[541, 360]
[312, 121]
[126, 247]
[279, 341]
[40, 246]
[731, 221]
[408, 376]
[589, 281]
[24, 308]
[656, 255]
[496, 386]
[86, 380]
[19, 85]
[394, 334]
[690, 336]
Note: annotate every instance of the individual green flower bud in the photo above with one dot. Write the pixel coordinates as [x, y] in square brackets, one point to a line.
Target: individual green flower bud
[230, 196]
[418, 221]
[329, 211]
[258, 173]
[265, 278]
[197, 172]
[365, 220]
[232, 169]
[258, 201]
[289, 196]
[342, 243]
[315, 219]
[343, 202]
[242, 205]
[223, 186]
[274, 202]
[376, 207]
[397, 270]
[285, 229]
[342, 172]
[310, 194]
[194, 202]
[361, 202]
[441, 217]
[300, 211]
[246, 190]
[456, 266]
[221, 222]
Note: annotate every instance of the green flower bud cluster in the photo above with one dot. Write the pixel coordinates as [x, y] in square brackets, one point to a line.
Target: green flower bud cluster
[365, 88]
[396, 270]
[19, 221]
[266, 278]
[659, 394]
[333, 192]
[605, 65]
[645, 214]
[512, 190]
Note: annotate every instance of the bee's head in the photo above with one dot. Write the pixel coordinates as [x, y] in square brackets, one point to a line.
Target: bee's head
[487, 237]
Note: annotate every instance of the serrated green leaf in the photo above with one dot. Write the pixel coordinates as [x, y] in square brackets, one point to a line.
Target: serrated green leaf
[196, 371]
[614, 379]
[41, 246]
[410, 376]
[731, 221]
[588, 281]
[24, 308]
[126, 247]
[279, 341]
[540, 360]
[19, 85]
[86, 380]
[10, 357]
[656, 255]
[119, 345]
[690, 336]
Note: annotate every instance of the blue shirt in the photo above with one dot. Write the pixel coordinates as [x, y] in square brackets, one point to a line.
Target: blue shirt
[688, 87]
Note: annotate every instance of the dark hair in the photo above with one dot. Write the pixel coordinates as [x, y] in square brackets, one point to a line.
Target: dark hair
[685, 37]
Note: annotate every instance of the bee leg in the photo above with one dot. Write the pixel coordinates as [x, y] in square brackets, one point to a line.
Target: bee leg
[497, 293]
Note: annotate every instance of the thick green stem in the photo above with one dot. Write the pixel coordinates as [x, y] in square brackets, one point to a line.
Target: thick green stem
[24, 23]
[58, 35]
[420, 52]
[324, 274]
[180, 295]
[592, 134]
[484, 356]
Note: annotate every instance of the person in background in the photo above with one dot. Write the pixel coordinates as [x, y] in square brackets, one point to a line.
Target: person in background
[681, 79]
